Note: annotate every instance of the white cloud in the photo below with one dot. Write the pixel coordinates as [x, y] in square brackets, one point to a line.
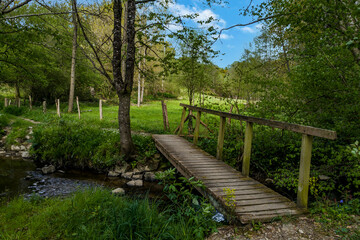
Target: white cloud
[225, 36]
[202, 15]
[248, 29]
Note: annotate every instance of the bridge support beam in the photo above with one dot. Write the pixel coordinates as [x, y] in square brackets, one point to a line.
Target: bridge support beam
[220, 145]
[183, 115]
[304, 172]
[247, 149]
[197, 128]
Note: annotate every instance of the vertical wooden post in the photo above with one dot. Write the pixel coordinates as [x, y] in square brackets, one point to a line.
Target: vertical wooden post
[304, 172]
[197, 127]
[9, 102]
[78, 106]
[6, 102]
[100, 109]
[247, 149]
[58, 107]
[44, 106]
[30, 102]
[18, 102]
[182, 121]
[165, 115]
[220, 145]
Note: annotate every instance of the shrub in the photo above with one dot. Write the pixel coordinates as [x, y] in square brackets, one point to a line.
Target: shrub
[67, 144]
[92, 214]
[17, 111]
[4, 122]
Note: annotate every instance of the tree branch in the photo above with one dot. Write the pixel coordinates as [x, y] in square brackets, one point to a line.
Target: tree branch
[35, 15]
[14, 7]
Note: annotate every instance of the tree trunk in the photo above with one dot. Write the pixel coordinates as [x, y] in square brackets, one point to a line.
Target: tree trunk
[139, 86]
[127, 146]
[123, 78]
[17, 94]
[73, 59]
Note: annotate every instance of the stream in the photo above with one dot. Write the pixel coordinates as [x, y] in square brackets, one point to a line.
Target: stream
[21, 177]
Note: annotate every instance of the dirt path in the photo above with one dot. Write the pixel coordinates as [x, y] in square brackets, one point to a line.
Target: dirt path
[304, 228]
[29, 120]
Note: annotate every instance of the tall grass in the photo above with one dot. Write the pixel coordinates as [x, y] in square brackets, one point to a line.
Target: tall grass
[91, 214]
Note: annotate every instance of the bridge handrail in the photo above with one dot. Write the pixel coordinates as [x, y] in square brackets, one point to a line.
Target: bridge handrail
[306, 143]
[312, 131]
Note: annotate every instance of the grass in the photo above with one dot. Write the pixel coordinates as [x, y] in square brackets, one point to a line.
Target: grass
[91, 214]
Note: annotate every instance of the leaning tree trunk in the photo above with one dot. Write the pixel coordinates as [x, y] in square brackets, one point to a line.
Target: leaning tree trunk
[123, 78]
[73, 59]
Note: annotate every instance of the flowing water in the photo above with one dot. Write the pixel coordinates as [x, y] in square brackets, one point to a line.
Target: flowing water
[21, 177]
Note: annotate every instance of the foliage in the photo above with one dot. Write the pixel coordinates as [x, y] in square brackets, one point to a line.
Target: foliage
[342, 216]
[4, 122]
[187, 204]
[92, 214]
[229, 197]
[17, 111]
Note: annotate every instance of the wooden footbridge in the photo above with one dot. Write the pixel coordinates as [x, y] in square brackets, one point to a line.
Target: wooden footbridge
[251, 199]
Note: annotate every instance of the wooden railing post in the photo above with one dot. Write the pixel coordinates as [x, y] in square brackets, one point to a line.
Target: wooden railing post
[220, 145]
[183, 115]
[100, 109]
[197, 128]
[304, 171]
[247, 149]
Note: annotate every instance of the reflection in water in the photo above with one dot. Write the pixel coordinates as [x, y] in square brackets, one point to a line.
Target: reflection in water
[18, 176]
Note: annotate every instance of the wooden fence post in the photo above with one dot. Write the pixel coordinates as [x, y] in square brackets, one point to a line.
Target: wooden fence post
[6, 102]
[58, 107]
[220, 144]
[44, 106]
[304, 171]
[165, 115]
[78, 106]
[30, 102]
[197, 127]
[9, 102]
[100, 109]
[182, 121]
[247, 149]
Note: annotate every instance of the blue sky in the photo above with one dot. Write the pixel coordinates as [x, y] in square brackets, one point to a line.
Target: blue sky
[232, 42]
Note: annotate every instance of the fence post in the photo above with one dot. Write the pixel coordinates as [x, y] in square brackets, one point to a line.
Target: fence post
[78, 106]
[100, 109]
[6, 102]
[247, 149]
[165, 115]
[44, 106]
[197, 127]
[30, 102]
[58, 107]
[182, 121]
[220, 144]
[304, 171]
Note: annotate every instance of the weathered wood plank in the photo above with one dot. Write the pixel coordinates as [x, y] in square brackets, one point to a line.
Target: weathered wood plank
[318, 132]
[265, 207]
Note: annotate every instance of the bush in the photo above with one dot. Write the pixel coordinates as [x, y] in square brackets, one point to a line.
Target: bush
[17, 111]
[92, 214]
[70, 144]
[4, 122]
[67, 144]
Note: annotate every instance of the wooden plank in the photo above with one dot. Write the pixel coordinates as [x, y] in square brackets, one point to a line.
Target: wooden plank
[264, 207]
[318, 132]
[264, 200]
[183, 114]
[304, 171]
[247, 149]
[220, 143]
[197, 128]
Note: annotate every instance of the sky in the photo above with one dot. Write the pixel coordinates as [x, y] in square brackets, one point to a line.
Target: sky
[232, 42]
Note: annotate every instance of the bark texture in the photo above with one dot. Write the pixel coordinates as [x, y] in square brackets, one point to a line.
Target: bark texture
[73, 59]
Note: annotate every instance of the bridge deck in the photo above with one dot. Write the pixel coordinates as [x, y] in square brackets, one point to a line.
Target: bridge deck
[253, 200]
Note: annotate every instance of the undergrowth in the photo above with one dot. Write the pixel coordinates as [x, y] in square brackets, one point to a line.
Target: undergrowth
[94, 214]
